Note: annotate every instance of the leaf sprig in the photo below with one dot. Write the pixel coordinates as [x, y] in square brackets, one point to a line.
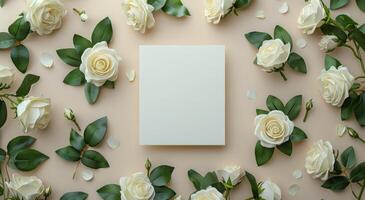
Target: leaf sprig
[171, 7]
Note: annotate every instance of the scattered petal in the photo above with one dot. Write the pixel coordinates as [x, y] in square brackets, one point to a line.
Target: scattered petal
[251, 94]
[340, 130]
[87, 175]
[284, 8]
[131, 75]
[294, 189]
[297, 174]
[301, 43]
[46, 60]
[113, 143]
[260, 14]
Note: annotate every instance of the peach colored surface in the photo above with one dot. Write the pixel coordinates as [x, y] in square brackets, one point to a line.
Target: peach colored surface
[121, 104]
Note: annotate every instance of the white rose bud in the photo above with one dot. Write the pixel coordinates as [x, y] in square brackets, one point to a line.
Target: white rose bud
[216, 9]
[26, 187]
[69, 114]
[335, 85]
[328, 43]
[139, 14]
[84, 17]
[6, 76]
[34, 112]
[137, 186]
[45, 16]
[272, 54]
[273, 129]
[311, 16]
[271, 191]
[210, 193]
[100, 64]
[234, 173]
[320, 160]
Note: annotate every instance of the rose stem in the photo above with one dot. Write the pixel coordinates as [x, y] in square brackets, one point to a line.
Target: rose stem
[283, 75]
[76, 124]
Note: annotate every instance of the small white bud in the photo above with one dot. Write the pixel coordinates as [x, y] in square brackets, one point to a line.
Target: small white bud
[84, 17]
[328, 43]
[69, 114]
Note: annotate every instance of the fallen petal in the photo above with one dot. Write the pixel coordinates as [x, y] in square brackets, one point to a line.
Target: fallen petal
[260, 14]
[251, 94]
[284, 8]
[87, 175]
[46, 60]
[113, 143]
[301, 43]
[293, 190]
[340, 130]
[131, 76]
[297, 174]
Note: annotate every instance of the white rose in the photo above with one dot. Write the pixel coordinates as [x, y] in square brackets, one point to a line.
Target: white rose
[26, 187]
[311, 16]
[44, 16]
[273, 54]
[328, 43]
[234, 172]
[273, 129]
[271, 191]
[139, 14]
[335, 85]
[178, 197]
[136, 187]
[6, 76]
[210, 193]
[216, 9]
[34, 112]
[320, 160]
[100, 64]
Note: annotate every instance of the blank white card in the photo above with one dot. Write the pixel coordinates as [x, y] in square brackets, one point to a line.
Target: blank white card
[182, 95]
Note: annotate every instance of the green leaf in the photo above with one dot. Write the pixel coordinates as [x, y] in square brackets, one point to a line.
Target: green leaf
[6, 40]
[359, 37]
[157, 4]
[175, 8]
[263, 154]
[297, 135]
[76, 140]
[358, 173]
[297, 63]
[362, 28]
[70, 56]
[253, 184]
[69, 153]
[110, 192]
[27, 83]
[163, 193]
[2, 155]
[274, 103]
[161, 175]
[29, 159]
[361, 4]
[257, 38]
[19, 143]
[346, 22]
[20, 57]
[109, 84]
[359, 110]
[337, 4]
[103, 31]
[3, 113]
[286, 148]
[336, 183]
[242, 3]
[74, 196]
[261, 112]
[2, 2]
[91, 92]
[95, 132]
[330, 61]
[293, 107]
[75, 78]
[94, 160]
[283, 35]
[349, 105]
[20, 29]
[348, 158]
[337, 168]
[196, 179]
[81, 44]
[334, 30]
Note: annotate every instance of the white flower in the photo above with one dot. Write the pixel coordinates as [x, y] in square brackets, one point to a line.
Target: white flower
[271, 191]
[328, 43]
[44, 16]
[311, 16]
[100, 64]
[273, 54]
[6, 76]
[335, 85]
[136, 187]
[34, 112]
[234, 172]
[139, 14]
[320, 160]
[208, 194]
[273, 129]
[69, 114]
[26, 187]
[216, 9]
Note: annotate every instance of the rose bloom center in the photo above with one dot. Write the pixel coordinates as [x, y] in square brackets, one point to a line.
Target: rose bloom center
[101, 65]
[273, 128]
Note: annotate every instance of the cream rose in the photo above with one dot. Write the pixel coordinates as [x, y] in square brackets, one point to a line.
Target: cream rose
[328, 43]
[311, 16]
[234, 172]
[271, 191]
[6, 76]
[335, 85]
[136, 187]
[45, 16]
[273, 54]
[139, 14]
[273, 129]
[216, 9]
[320, 160]
[26, 187]
[34, 112]
[210, 193]
[100, 64]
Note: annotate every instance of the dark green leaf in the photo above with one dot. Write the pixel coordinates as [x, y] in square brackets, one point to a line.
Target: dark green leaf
[362, 28]
[2, 2]
[334, 30]
[81, 44]
[95, 132]
[3, 113]
[74, 196]
[253, 183]
[286, 148]
[348, 158]
[349, 105]
[346, 22]
[263, 154]
[20, 28]
[257, 38]
[91, 92]
[28, 81]
[110, 192]
[109, 84]
[283, 35]
[337, 168]
[103, 31]
[94, 160]
[75, 78]
[29, 159]
[175, 8]
[274, 103]
[161, 175]
[330, 61]
[69, 153]
[70, 56]
[360, 110]
[6, 40]
[297, 135]
[76, 140]
[336, 183]
[19, 143]
[361, 4]
[261, 112]
[297, 63]
[2, 155]
[157, 4]
[359, 37]
[163, 193]
[242, 3]
[20, 57]
[337, 4]
[358, 173]
[293, 107]
[196, 179]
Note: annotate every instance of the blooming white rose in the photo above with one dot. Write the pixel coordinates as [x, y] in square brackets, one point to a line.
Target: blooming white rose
[234, 172]
[328, 43]
[100, 63]
[136, 187]
[139, 14]
[311, 16]
[320, 160]
[216, 9]
[26, 187]
[273, 54]
[210, 193]
[6, 76]
[271, 191]
[273, 129]
[335, 85]
[34, 112]
[45, 16]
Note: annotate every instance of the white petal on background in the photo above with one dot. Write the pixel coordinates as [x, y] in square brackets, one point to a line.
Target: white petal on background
[284, 8]
[297, 174]
[113, 143]
[251, 94]
[87, 175]
[301, 43]
[294, 189]
[46, 60]
[340, 130]
[260, 14]
[131, 75]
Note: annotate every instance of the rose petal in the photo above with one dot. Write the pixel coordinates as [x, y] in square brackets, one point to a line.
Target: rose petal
[87, 175]
[46, 60]
[284, 8]
[340, 130]
[113, 143]
[131, 75]
[301, 43]
[297, 174]
[251, 94]
[260, 14]
[293, 190]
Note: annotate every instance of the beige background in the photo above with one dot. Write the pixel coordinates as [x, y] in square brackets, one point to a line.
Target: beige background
[121, 104]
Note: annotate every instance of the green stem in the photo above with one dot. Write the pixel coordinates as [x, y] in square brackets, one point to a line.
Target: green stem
[76, 124]
[306, 116]
[361, 191]
[282, 75]
[360, 57]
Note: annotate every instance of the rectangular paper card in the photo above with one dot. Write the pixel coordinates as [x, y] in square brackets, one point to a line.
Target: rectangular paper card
[182, 95]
